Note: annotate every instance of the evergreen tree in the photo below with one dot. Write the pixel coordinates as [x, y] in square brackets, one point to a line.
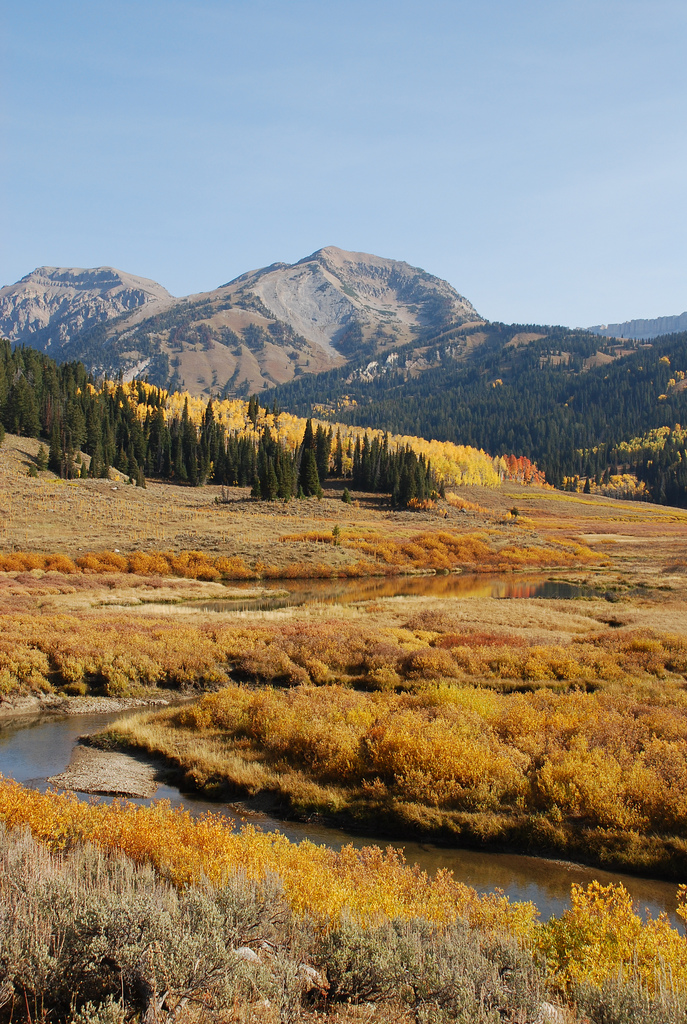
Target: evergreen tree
[55, 457]
[338, 456]
[323, 445]
[21, 411]
[307, 450]
[309, 477]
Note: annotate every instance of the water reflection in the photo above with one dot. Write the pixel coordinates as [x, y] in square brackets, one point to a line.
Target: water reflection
[292, 593]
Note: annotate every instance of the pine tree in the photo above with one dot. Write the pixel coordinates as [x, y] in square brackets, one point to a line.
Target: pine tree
[310, 480]
[307, 450]
[55, 463]
[323, 445]
[338, 456]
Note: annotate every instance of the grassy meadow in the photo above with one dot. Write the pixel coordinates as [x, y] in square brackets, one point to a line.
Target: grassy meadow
[553, 726]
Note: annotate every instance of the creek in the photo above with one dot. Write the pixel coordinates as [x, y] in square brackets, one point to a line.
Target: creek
[294, 593]
[34, 748]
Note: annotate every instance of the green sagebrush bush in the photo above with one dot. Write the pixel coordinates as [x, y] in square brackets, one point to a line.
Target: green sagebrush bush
[449, 973]
[620, 1002]
[90, 936]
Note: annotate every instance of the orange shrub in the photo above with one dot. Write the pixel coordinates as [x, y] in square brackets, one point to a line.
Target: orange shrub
[574, 757]
[366, 884]
[103, 561]
[59, 563]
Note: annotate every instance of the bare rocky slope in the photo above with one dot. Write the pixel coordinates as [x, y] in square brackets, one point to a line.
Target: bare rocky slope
[262, 329]
[52, 305]
[333, 296]
[642, 330]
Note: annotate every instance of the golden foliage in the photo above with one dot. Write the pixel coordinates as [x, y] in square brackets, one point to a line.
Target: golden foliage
[602, 937]
[443, 550]
[367, 884]
[381, 555]
[590, 759]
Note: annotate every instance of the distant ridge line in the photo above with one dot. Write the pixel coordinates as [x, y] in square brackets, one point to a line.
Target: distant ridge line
[643, 330]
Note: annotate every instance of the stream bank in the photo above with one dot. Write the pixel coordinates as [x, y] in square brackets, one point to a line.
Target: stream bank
[38, 748]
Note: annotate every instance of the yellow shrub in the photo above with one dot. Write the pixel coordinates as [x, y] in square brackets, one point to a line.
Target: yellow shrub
[601, 937]
[366, 884]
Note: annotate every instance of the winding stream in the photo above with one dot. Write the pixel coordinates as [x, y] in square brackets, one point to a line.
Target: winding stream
[34, 748]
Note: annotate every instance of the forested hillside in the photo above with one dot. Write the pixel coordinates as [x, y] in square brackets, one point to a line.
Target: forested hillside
[140, 431]
[548, 393]
[548, 404]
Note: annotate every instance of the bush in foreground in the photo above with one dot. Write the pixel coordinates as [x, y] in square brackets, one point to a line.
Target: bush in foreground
[89, 936]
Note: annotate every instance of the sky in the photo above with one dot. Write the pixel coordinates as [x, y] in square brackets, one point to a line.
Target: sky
[531, 152]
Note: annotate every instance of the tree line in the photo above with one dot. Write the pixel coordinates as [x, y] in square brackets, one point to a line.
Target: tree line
[544, 399]
[126, 428]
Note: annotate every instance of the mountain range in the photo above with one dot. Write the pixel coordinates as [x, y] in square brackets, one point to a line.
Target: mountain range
[262, 329]
[332, 310]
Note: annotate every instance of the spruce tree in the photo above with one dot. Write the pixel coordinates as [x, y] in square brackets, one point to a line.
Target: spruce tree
[338, 456]
[55, 463]
[310, 480]
[323, 445]
[307, 450]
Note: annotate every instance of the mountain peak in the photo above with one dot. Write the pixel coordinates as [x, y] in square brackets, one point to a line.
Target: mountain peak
[51, 305]
[333, 291]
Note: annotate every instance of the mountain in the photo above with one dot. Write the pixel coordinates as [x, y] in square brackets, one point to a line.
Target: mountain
[549, 393]
[259, 330]
[52, 305]
[642, 330]
[340, 300]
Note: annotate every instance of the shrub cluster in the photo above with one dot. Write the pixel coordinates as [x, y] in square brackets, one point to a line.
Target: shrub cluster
[366, 884]
[582, 759]
[91, 936]
[119, 655]
[382, 555]
[111, 912]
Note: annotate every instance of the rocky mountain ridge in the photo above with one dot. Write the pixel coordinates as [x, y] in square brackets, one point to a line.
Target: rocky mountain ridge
[263, 328]
[49, 307]
[643, 330]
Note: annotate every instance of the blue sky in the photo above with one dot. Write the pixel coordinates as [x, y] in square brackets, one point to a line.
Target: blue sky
[531, 152]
